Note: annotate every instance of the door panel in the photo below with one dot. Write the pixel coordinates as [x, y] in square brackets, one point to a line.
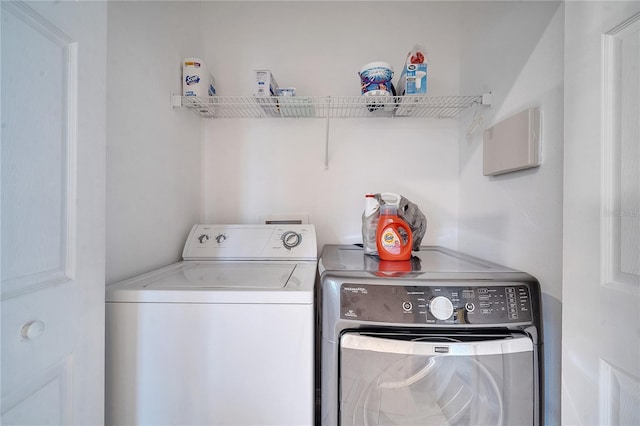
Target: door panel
[39, 169]
[46, 399]
[52, 191]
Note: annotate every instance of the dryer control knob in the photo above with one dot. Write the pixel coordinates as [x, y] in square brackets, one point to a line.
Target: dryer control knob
[291, 239]
[441, 308]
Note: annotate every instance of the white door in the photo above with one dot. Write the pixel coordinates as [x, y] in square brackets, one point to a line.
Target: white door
[601, 282]
[53, 161]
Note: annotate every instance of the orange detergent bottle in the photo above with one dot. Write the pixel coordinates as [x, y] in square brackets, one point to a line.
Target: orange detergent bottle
[393, 235]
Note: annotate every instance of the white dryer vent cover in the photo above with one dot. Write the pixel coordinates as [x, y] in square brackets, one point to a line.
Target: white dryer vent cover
[512, 144]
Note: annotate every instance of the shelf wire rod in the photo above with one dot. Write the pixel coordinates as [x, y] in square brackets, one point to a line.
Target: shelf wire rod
[326, 135]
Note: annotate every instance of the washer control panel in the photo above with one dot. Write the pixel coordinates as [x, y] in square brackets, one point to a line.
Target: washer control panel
[251, 242]
[505, 303]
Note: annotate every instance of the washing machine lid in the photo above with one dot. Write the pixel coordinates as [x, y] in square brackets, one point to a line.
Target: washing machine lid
[221, 282]
[269, 263]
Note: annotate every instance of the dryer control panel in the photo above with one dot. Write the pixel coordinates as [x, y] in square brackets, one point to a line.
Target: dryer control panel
[506, 303]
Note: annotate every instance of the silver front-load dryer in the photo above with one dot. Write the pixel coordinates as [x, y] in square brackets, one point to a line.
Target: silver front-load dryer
[441, 339]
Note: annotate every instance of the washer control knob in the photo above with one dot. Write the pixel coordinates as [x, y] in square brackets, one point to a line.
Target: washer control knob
[220, 238]
[441, 308]
[203, 238]
[291, 239]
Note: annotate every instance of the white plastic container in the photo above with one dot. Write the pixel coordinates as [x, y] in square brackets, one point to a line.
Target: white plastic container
[375, 79]
[370, 218]
[196, 81]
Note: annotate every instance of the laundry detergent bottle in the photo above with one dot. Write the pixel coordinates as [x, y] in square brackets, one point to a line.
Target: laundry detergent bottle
[393, 236]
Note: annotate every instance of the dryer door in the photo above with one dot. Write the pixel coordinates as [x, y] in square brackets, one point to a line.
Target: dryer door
[430, 380]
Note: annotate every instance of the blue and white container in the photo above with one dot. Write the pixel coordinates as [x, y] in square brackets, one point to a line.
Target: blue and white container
[375, 79]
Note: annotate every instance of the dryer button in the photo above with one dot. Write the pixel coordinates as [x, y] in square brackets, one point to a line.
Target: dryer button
[441, 308]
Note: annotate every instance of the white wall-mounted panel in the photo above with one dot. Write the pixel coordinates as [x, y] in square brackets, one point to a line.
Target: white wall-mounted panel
[512, 144]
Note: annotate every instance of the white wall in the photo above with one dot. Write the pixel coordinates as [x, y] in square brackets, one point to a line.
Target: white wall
[275, 166]
[515, 49]
[153, 152]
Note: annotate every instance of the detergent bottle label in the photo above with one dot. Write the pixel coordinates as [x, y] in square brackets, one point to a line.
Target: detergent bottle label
[390, 241]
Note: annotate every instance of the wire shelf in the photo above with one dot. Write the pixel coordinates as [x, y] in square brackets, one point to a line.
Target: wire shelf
[327, 106]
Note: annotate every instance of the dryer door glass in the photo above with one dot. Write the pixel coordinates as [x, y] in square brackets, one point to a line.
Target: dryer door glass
[419, 380]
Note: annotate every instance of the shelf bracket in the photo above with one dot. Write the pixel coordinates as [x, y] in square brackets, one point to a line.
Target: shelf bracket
[326, 143]
[487, 99]
[476, 123]
[326, 134]
[176, 101]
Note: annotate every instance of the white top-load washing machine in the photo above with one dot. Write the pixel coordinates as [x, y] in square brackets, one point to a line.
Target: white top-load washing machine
[224, 337]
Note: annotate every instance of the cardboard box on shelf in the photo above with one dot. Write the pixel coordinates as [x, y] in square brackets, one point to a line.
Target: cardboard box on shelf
[265, 84]
[413, 80]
